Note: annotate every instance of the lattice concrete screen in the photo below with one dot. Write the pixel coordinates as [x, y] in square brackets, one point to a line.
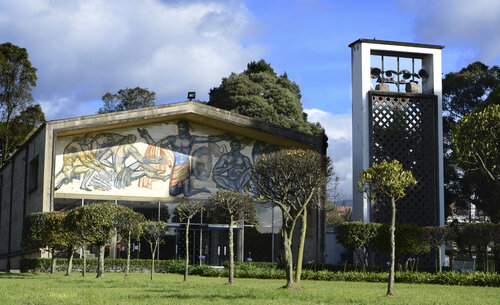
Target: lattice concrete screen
[403, 127]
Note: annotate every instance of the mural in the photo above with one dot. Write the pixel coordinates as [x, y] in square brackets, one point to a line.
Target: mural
[144, 163]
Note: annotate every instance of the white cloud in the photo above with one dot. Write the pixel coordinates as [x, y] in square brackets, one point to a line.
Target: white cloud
[83, 49]
[469, 26]
[339, 131]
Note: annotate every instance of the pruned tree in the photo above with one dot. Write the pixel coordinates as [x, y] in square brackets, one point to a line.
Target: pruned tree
[129, 226]
[73, 241]
[186, 210]
[357, 236]
[153, 233]
[235, 207]
[477, 238]
[45, 230]
[96, 225]
[127, 99]
[436, 237]
[410, 241]
[293, 180]
[17, 77]
[387, 181]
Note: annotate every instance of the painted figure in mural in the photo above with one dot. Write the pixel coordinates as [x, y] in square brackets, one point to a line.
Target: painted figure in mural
[79, 158]
[181, 145]
[232, 170]
[115, 156]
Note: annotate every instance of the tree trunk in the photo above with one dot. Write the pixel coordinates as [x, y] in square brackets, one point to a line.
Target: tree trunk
[186, 268]
[390, 288]
[439, 259]
[286, 239]
[100, 262]
[300, 253]
[153, 263]
[486, 260]
[127, 271]
[231, 251]
[84, 267]
[54, 261]
[70, 261]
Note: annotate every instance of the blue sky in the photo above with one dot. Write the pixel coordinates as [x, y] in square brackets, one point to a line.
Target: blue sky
[85, 48]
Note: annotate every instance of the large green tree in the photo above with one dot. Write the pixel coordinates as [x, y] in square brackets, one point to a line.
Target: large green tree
[234, 207]
[476, 142]
[294, 180]
[468, 90]
[260, 93]
[127, 99]
[387, 181]
[17, 78]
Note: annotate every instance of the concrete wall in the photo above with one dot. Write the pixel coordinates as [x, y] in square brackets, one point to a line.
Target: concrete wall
[21, 188]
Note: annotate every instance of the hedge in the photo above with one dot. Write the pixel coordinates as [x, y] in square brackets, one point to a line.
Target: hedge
[263, 270]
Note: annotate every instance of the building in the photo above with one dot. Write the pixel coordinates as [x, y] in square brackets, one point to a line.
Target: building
[149, 159]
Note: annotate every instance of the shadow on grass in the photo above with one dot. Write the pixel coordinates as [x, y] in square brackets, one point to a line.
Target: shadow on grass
[6, 275]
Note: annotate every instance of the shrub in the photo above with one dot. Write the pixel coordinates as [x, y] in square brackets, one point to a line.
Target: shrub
[357, 236]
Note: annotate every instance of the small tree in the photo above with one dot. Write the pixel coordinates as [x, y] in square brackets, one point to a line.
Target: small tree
[45, 230]
[129, 226]
[95, 223]
[387, 180]
[73, 241]
[436, 237]
[234, 207]
[293, 180]
[410, 241]
[154, 231]
[186, 210]
[357, 236]
[477, 238]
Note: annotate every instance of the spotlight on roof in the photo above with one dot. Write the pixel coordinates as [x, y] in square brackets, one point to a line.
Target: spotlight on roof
[191, 95]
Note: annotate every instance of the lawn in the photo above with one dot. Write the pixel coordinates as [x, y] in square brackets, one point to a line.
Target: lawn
[169, 289]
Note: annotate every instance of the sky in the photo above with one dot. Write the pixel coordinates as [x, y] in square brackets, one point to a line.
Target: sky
[85, 48]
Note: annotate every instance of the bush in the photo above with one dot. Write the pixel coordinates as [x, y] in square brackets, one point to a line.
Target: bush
[357, 236]
[264, 270]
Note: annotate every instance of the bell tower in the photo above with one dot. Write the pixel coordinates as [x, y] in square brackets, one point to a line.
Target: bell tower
[397, 114]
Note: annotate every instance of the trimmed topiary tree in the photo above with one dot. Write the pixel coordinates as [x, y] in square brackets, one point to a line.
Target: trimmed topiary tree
[153, 233]
[387, 181]
[357, 236]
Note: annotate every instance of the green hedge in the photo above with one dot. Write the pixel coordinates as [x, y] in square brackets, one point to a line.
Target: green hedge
[263, 270]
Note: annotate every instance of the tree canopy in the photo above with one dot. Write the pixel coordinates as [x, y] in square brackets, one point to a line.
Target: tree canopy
[476, 142]
[17, 78]
[293, 180]
[260, 93]
[127, 99]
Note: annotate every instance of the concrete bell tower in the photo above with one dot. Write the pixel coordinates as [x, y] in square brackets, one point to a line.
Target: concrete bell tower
[397, 114]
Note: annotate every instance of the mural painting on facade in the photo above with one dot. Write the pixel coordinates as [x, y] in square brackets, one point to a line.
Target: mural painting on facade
[183, 162]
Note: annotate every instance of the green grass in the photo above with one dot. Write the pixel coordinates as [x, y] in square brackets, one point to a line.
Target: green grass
[57, 289]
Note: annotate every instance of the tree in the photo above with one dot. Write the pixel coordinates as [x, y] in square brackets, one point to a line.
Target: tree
[234, 207]
[410, 241]
[476, 238]
[186, 210]
[73, 241]
[129, 226]
[45, 230]
[293, 180]
[17, 77]
[154, 231]
[127, 99]
[357, 236]
[387, 181]
[476, 142]
[96, 225]
[436, 236]
[260, 93]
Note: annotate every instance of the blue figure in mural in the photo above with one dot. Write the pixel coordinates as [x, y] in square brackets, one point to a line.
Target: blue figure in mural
[182, 145]
[232, 170]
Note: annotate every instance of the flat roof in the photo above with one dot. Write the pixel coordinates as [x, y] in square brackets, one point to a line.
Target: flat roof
[398, 43]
